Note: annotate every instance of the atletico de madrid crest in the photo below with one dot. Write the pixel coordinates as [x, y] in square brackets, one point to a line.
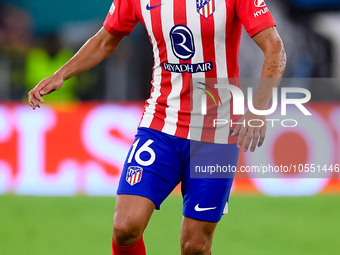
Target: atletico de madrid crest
[205, 7]
[134, 175]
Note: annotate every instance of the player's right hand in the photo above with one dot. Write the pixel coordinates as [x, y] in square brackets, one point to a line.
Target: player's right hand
[44, 87]
[250, 136]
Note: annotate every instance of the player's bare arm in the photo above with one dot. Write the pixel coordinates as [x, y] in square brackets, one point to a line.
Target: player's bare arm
[273, 68]
[96, 49]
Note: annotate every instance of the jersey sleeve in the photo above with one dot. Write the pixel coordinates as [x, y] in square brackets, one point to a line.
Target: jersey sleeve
[121, 18]
[254, 15]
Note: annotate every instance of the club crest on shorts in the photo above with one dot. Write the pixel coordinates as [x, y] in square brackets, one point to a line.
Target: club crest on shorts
[205, 7]
[134, 175]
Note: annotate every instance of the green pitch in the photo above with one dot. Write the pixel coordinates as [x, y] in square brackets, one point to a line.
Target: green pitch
[254, 225]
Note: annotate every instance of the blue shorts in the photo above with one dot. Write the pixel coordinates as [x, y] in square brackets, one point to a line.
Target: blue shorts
[158, 162]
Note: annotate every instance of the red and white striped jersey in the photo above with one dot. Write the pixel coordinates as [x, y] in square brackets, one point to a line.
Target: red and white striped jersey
[195, 43]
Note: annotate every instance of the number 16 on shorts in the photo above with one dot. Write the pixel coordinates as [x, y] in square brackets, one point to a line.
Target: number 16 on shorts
[134, 173]
[137, 154]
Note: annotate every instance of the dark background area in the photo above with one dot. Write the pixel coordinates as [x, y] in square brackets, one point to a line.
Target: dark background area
[36, 37]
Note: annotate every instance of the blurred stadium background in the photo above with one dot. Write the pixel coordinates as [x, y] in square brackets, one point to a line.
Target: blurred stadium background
[59, 165]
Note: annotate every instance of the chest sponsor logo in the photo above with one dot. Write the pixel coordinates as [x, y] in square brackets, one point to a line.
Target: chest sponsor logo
[134, 175]
[259, 3]
[182, 42]
[205, 7]
[188, 68]
[183, 47]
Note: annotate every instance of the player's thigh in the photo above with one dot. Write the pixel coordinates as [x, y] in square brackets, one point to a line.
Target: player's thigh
[132, 213]
[153, 167]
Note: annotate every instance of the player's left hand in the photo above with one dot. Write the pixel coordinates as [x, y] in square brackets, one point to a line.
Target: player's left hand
[253, 134]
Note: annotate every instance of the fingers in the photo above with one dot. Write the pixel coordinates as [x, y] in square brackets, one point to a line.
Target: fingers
[255, 137]
[32, 101]
[251, 137]
[262, 134]
[248, 139]
[241, 136]
[236, 130]
[35, 95]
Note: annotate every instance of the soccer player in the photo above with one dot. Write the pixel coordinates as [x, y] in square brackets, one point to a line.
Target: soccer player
[195, 44]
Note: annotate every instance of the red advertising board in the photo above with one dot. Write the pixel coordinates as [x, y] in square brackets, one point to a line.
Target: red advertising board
[80, 149]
